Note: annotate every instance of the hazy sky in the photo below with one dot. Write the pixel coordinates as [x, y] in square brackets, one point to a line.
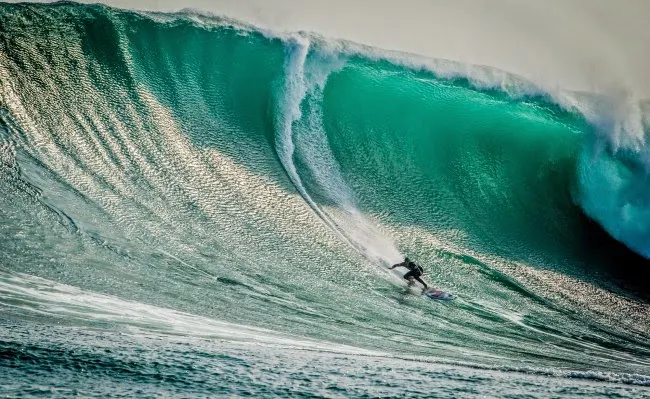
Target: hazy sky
[595, 45]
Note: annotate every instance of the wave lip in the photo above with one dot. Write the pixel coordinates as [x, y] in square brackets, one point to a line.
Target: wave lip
[614, 169]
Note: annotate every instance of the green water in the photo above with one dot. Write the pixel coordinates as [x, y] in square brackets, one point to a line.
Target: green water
[194, 207]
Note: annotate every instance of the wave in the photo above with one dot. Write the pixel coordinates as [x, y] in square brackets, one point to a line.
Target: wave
[194, 163]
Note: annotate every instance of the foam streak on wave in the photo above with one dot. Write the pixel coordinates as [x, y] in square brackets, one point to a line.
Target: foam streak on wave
[32, 295]
[307, 70]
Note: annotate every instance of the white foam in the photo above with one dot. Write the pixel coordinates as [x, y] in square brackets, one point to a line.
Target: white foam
[35, 295]
[304, 81]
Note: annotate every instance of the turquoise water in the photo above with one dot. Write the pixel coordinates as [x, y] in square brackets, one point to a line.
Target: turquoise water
[192, 206]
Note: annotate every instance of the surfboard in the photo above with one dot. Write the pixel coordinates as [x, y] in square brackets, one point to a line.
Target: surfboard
[430, 293]
[433, 293]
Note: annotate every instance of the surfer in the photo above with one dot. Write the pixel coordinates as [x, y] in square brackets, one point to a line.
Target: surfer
[415, 271]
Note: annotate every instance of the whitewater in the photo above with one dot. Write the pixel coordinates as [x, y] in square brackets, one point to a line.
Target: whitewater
[194, 206]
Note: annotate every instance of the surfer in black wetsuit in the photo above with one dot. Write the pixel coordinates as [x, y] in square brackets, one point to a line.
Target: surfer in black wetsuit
[415, 271]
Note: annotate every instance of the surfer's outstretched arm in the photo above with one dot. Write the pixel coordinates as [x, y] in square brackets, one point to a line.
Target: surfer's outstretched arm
[396, 265]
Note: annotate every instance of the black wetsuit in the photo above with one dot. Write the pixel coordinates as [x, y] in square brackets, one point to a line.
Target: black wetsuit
[415, 271]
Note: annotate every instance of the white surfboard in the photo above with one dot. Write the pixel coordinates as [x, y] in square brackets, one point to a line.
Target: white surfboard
[433, 293]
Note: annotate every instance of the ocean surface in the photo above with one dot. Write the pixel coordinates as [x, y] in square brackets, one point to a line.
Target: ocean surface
[192, 206]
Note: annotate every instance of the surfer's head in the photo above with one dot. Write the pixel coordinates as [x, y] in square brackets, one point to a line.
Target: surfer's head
[406, 259]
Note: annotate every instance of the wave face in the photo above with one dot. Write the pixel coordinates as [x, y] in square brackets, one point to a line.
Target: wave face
[190, 175]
